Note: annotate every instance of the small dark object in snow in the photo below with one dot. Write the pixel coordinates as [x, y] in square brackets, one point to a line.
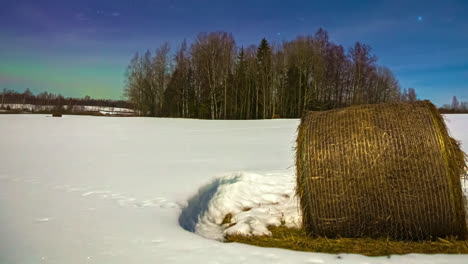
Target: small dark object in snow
[57, 115]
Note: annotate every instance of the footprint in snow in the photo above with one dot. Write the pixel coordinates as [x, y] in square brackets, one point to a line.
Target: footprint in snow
[43, 220]
[315, 261]
[123, 200]
[158, 241]
[120, 198]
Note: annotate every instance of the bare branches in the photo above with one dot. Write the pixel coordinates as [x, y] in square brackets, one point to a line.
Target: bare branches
[215, 79]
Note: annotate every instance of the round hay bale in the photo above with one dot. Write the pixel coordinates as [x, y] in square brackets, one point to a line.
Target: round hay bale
[387, 170]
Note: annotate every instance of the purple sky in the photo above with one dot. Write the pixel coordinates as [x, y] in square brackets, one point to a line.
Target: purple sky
[80, 48]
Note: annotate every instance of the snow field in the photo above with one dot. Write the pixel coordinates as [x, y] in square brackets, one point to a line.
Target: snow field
[102, 190]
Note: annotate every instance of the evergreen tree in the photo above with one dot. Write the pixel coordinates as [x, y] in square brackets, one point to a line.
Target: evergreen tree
[412, 95]
[455, 103]
[264, 79]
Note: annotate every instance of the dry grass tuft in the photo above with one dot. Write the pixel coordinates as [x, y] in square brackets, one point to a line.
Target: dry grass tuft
[296, 239]
[227, 219]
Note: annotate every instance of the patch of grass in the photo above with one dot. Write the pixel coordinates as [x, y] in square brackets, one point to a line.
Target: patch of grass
[227, 219]
[296, 239]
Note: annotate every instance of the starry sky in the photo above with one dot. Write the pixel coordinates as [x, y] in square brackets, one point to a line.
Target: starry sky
[82, 47]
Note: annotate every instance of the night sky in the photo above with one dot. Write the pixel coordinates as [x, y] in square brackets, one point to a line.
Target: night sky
[82, 47]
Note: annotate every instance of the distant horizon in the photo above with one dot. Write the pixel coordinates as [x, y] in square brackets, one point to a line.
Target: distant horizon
[83, 48]
[125, 99]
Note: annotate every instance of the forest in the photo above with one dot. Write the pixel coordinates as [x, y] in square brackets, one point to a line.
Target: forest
[212, 78]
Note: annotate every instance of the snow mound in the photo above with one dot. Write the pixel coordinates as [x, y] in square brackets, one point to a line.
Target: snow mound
[253, 200]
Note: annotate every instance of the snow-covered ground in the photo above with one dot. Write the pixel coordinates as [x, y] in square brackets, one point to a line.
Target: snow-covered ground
[82, 189]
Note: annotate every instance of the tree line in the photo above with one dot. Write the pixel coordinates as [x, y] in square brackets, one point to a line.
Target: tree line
[212, 78]
[455, 107]
[50, 99]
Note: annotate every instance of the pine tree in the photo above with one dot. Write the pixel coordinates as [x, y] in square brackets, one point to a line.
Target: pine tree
[264, 77]
[240, 78]
[404, 96]
[412, 95]
[455, 103]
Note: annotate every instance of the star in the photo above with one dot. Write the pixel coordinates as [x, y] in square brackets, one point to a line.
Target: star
[420, 18]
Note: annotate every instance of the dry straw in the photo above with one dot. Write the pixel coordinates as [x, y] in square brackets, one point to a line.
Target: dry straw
[387, 170]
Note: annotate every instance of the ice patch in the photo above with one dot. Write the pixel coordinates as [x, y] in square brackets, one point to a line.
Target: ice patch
[254, 201]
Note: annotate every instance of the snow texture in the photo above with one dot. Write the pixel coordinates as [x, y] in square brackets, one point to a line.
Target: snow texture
[83, 189]
[253, 200]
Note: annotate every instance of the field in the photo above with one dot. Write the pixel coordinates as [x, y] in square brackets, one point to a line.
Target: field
[81, 189]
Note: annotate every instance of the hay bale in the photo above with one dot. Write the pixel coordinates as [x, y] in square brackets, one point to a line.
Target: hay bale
[387, 170]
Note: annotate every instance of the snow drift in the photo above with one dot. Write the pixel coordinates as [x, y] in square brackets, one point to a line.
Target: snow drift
[254, 201]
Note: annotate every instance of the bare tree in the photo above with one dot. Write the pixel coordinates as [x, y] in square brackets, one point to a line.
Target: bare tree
[160, 69]
[212, 59]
